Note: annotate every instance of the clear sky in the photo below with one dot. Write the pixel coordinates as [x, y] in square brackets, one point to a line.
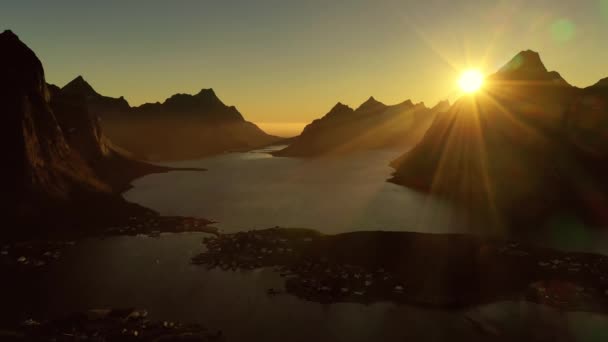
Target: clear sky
[288, 62]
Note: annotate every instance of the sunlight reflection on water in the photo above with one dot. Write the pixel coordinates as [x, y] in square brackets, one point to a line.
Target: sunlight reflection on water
[243, 191]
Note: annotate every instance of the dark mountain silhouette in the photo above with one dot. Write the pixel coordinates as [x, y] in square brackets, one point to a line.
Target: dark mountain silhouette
[587, 120]
[527, 150]
[372, 125]
[182, 127]
[527, 66]
[97, 103]
[57, 162]
[203, 106]
[601, 83]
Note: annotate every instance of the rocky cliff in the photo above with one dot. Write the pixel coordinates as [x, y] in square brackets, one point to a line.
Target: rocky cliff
[57, 162]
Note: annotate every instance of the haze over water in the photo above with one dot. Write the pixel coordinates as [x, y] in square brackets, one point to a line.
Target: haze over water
[254, 190]
[243, 191]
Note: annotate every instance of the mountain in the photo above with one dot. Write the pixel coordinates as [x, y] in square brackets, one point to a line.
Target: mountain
[589, 132]
[528, 66]
[182, 127]
[527, 150]
[600, 84]
[372, 125]
[97, 103]
[57, 163]
[205, 106]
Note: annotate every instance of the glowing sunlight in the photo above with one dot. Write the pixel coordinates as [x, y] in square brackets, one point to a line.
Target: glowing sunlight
[470, 81]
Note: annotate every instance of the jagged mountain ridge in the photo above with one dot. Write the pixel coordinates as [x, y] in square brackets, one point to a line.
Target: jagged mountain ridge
[181, 127]
[372, 125]
[527, 147]
[96, 102]
[204, 106]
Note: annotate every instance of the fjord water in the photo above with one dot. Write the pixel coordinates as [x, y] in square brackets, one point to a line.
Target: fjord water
[333, 194]
[253, 190]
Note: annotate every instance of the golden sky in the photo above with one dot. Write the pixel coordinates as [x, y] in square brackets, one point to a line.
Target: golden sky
[288, 62]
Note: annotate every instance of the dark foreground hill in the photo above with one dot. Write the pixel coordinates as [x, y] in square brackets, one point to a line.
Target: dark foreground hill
[182, 127]
[58, 165]
[529, 149]
[372, 125]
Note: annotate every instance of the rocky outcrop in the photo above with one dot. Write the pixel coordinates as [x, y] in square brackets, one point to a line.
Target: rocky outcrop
[182, 127]
[57, 161]
[372, 125]
[526, 151]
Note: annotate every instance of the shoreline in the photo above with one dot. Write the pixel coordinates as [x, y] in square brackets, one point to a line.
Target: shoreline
[444, 271]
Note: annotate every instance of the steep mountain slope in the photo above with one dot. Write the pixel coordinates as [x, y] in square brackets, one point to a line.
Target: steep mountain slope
[39, 159]
[587, 120]
[182, 127]
[525, 150]
[57, 162]
[372, 125]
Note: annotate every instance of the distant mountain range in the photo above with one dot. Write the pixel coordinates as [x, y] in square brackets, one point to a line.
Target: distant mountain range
[182, 127]
[372, 125]
[527, 149]
[57, 162]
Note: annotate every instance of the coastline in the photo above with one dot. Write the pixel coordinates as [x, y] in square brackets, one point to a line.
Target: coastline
[436, 270]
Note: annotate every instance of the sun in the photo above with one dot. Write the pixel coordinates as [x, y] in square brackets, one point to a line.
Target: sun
[470, 81]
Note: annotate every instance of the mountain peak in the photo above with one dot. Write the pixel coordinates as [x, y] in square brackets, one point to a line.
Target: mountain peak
[371, 103]
[22, 67]
[339, 106]
[524, 62]
[371, 100]
[406, 103]
[8, 33]
[527, 65]
[207, 92]
[338, 109]
[208, 96]
[80, 87]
